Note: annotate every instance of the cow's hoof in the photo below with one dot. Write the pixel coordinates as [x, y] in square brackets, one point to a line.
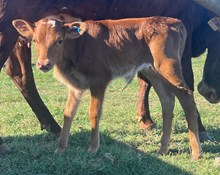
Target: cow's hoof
[217, 161]
[4, 149]
[204, 136]
[54, 130]
[46, 127]
[147, 125]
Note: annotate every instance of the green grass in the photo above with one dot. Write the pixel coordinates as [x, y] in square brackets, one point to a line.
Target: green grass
[124, 150]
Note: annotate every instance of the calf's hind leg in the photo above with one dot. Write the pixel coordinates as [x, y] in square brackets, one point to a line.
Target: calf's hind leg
[167, 63]
[189, 107]
[187, 102]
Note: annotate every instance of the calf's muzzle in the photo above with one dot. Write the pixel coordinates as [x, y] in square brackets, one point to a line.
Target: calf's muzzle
[44, 65]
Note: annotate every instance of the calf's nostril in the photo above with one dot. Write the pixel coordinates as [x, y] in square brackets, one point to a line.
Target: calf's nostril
[39, 65]
[48, 64]
[43, 64]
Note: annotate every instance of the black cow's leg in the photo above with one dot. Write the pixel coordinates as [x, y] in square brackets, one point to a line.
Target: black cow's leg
[19, 69]
[5, 49]
[8, 38]
[143, 111]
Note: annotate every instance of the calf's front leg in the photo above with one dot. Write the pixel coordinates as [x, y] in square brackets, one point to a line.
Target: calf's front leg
[69, 113]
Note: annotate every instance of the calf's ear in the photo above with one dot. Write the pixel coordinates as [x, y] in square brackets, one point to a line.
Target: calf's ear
[23, 27]
[75, 29]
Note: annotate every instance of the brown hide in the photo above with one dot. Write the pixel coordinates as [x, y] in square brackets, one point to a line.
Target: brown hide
[119, 49]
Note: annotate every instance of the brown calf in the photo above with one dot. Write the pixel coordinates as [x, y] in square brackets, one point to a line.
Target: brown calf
[88, 55]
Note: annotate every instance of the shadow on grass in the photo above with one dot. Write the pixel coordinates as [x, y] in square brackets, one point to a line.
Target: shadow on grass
[35, 155]
[214, 146]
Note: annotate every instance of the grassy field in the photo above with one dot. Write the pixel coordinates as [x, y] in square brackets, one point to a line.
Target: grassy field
[124, 150]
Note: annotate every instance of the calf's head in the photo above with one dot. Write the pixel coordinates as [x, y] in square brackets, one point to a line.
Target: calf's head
[49, 37]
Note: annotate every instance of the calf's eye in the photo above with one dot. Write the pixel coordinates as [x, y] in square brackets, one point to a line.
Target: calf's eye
[60, 41]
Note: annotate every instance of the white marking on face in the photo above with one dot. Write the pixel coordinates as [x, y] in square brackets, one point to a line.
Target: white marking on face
[52, 22]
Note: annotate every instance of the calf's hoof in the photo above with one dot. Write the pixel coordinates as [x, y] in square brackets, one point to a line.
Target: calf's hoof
[92, 149]
[196, 157]
[59, 151]
[139, 118]
[163, 151]
[4, 149]
[204, 136]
